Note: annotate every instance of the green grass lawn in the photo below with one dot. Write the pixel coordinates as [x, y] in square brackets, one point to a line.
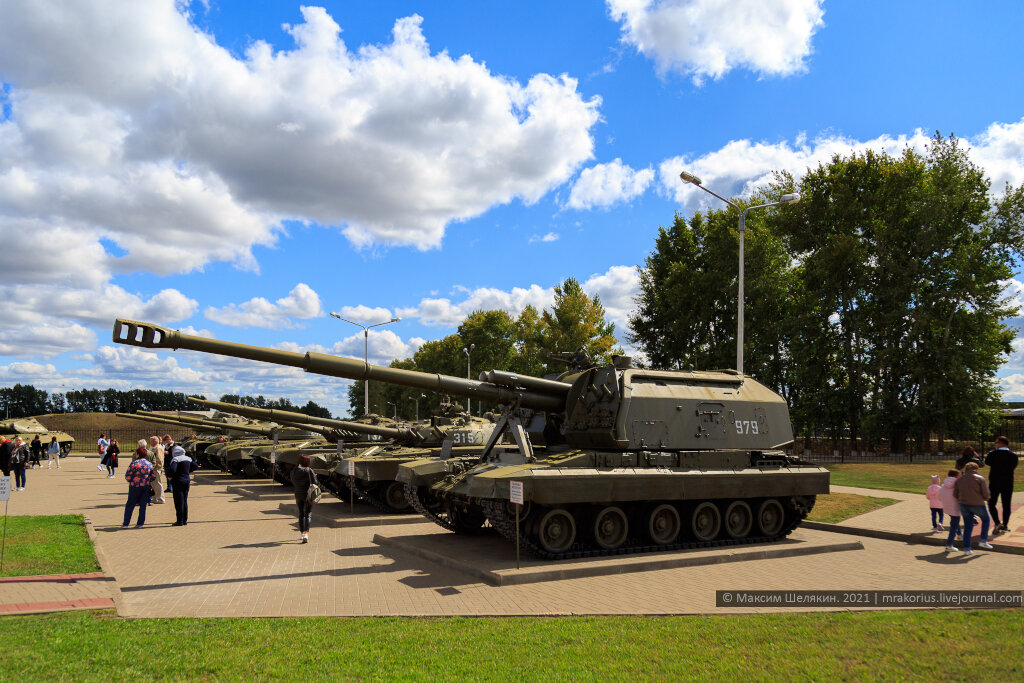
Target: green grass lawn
[907, 477]
[940, 645]
[835, 507]
[55, 544]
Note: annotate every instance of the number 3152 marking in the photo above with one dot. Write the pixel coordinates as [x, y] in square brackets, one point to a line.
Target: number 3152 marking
[746, 426]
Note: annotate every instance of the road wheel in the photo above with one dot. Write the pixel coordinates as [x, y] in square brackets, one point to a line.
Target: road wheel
[610, 527]
[394, 496]
[770, 517]
[663, 524]
[556, 530]
[705, 521]
[738, 519]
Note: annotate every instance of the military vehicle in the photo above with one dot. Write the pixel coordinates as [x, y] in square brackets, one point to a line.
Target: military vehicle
[637, 459]
[375, 465]
[210, 430]
[29, 427]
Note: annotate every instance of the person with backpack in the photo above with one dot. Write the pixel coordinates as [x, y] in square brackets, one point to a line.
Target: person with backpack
[101, 447]
[307, 492]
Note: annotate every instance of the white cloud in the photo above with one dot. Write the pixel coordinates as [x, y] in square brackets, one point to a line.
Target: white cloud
[709, 38]
[301, 303]
[617, 287]
[365, 314]
[1013, 387]
[603, 185]
[741, 166]
[548, 237]
[135, 126]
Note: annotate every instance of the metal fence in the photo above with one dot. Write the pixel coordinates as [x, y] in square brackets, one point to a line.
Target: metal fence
[826, 451]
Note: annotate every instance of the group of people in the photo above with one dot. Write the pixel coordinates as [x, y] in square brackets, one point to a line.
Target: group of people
[17, 456]
[966, 496]
[162, 466]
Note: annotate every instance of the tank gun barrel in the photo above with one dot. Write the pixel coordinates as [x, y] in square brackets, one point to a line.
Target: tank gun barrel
[149, 335]
[292, 417]
[220, 427]
[199, 422]
[514, 380]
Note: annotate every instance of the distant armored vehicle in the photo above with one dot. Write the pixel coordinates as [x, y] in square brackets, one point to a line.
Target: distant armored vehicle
[29, 427]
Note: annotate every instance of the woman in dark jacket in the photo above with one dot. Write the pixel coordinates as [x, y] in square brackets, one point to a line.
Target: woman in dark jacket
[302, 478]
[112, 452]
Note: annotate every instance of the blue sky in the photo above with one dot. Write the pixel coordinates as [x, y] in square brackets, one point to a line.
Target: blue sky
[242, 169]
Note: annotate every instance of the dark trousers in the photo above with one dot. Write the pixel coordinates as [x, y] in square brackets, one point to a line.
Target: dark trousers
[305, 512]
[137, 496]
[936, 516]
[19, 475]
[1006, 491]
[181, 501]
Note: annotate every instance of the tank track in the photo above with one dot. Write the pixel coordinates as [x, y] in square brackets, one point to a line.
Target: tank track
[371, 498]
[438, 515]
[497, 515]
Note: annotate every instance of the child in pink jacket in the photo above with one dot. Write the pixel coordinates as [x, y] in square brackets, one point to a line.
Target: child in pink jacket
[952, 507]
[932, 494]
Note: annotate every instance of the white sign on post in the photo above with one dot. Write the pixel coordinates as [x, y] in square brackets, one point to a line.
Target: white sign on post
[350, 467]
[5, 488]
[515, 492]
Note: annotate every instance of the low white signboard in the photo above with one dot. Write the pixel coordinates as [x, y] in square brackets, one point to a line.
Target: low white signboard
[515, 492]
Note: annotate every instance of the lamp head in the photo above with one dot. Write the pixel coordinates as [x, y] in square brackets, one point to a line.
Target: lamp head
[335, 315]
[791, 198]
[689, 178]
[396, 320]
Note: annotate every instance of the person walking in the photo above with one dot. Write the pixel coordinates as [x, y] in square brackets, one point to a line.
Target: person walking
[6, 448]
[19, 458]
[101, 447]
[303, 477]
[966, 456]
[113, 450]
[156, 456]
[1001, 463]
[972, 492]
[138, 475]
[37, 452]
[932, 494]
[951, 506]
[53, 451]
[179, 474]
[167, 444]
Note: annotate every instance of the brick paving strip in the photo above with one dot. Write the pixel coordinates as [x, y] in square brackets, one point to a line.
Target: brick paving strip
[36, 594]
[241, 557]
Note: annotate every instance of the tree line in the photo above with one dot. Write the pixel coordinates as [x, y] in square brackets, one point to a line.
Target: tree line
[520, 344]
[23, 400]
[875, 305]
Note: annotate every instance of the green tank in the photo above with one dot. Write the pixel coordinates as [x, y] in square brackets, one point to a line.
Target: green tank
[28, 428]
[369, 469]
[636, 459]
[212, 430]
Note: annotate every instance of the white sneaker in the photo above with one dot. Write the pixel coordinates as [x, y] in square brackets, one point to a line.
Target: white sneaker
[968, 552]
[985, 546]
[939, 527]
[950, 549]
[100, 467]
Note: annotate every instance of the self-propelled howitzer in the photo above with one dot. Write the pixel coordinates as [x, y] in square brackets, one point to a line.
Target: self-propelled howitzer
[636, 458]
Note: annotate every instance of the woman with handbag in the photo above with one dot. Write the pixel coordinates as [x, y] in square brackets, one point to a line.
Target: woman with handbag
[307, 493]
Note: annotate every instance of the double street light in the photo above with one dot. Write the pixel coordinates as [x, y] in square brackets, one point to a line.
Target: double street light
[791, 198]
[366, 353]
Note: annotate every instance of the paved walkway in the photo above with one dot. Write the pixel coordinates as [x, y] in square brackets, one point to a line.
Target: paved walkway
[911, 516]
[240, 556]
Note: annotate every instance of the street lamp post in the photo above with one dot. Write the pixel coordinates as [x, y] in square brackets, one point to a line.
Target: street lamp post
[395, 406]
[469, 402]
[366, 353]
[416, 399]
[791, 198]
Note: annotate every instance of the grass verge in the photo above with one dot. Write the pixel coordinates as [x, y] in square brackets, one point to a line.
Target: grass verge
[57, 544]
[836, 507]
[906, 477]
[812, 646]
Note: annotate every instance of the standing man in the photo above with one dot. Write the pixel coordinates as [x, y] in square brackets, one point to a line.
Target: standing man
[1001, 462]
[19, 458]
[156, 457]
[5, 456]
[179, 474]
[101, 447]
